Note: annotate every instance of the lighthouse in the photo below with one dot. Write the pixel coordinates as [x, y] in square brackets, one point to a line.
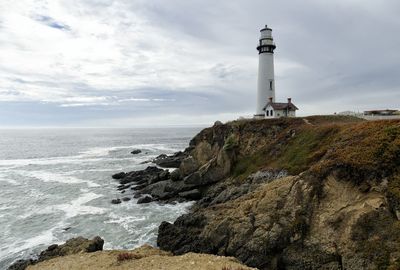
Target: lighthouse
[267, 107]
[266, 77]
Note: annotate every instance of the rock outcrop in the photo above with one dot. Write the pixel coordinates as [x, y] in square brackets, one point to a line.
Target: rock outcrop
[77, 245]
[315, 193]
[291, 194]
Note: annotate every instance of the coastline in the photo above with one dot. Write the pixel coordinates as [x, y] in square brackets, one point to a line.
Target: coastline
[283, 193]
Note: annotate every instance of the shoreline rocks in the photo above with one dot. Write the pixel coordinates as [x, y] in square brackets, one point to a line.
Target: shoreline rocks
[72, 246]
[283, 194]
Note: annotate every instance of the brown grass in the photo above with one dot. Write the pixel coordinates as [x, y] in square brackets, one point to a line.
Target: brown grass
[127, 256]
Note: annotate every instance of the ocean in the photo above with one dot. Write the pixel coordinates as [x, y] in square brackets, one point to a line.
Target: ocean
[56, 184]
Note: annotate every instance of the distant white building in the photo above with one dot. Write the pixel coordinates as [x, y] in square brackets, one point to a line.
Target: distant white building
[381, 114]
[266, 105]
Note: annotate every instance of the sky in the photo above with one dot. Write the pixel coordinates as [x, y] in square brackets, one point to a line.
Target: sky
[150, 63]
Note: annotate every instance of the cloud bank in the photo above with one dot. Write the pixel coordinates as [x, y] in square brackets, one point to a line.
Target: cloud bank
[156, 63]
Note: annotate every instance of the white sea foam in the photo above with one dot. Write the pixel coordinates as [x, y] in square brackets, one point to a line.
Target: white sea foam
[105, 151]
[125, 221]
[75, 208]
[89, 156]
[44, 238]
[46, 176]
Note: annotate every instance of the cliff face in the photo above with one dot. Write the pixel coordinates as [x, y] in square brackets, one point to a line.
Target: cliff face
[314, 193]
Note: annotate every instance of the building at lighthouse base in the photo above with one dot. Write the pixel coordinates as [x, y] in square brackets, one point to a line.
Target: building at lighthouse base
[279, 109]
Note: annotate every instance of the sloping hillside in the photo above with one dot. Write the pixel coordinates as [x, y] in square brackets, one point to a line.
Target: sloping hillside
[321, 192]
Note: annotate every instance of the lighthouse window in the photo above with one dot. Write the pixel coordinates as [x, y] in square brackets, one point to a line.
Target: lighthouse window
[267, 113]
[272, 113]
[270, 85]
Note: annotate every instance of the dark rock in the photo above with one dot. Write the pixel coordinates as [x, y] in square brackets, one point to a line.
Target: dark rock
[218, 123]
[146, 199]
[175, 175]
[21, 264]
[172, 161]
[139, 187]
[182, 236]
[137, 195]
[122, 187]
[125, 199]
[164, 175]
[136, 151]
[67, 229]
[118, 176]
[191, 194]
[145, 175]
[158, 190]
[123, 191]
[116, 201]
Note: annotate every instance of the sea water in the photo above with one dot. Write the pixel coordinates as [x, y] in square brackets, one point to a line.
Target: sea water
[56, 184]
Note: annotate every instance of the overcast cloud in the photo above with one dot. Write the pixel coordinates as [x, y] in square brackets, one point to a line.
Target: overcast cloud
[157, 62]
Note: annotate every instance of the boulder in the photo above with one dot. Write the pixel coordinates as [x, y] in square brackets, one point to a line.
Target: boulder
[175, 175]
[119, 175]
[115, 201]
[218, 123]
[125, 199]
[145, 199]
[136, 151]
[142, 176]
[72, 246]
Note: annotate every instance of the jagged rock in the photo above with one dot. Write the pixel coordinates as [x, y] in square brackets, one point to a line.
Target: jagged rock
[116, 201]
[72, 246]
[145, 175]
[146, 199]
[136, 151]
[125, 199]
[164, 175]
[118, 176]
[21, 264]
[172, 161]
[175, 175]
[191, 194]
[284, 194]
[218, 123]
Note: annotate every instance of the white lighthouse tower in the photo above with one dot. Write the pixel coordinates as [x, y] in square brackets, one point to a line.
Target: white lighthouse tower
[266, 77]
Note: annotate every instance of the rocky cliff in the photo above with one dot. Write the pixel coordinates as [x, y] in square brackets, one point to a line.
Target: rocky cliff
[314, 193]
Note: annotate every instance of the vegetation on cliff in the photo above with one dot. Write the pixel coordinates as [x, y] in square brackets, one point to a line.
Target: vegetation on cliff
[338, 208]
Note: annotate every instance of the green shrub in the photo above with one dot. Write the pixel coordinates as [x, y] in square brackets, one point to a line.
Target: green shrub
[231, 143]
